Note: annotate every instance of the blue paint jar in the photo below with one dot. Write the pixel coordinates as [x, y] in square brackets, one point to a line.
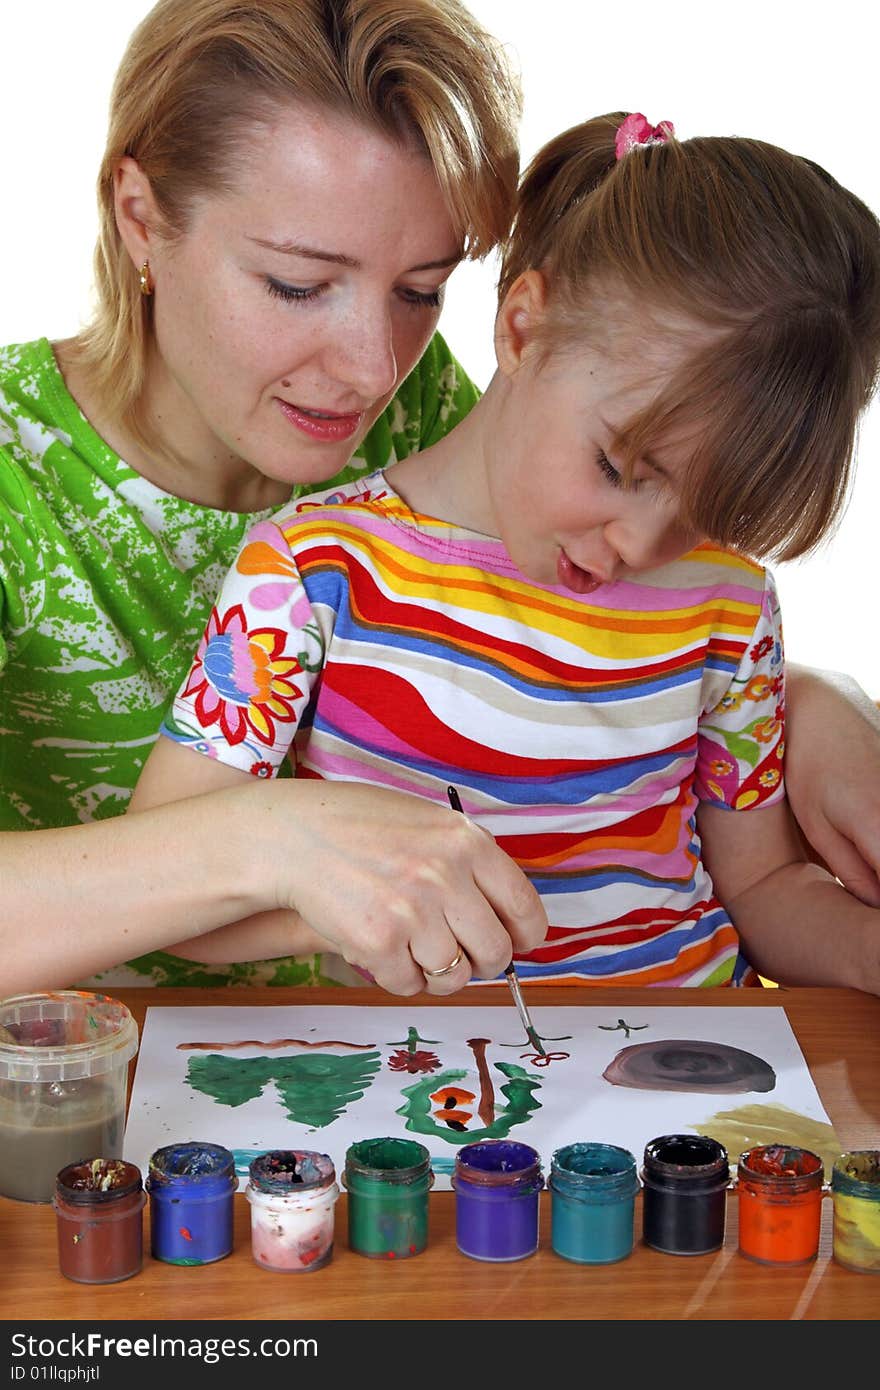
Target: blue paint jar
[684, 1202]
[592, 1202]
[497, 1184]
[191, 1187]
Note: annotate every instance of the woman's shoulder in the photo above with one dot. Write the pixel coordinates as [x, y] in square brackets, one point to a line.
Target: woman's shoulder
[34, 401]
[25, 367]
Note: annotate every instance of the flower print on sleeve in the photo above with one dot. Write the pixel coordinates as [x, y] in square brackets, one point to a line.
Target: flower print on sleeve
[250, 680]
[742, 740]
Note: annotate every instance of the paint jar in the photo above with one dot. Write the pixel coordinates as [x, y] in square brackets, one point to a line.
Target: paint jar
[497, 1184]
[592, 1202]
[292, 1193]
[780, 1204]
[685, 1179]
[388, 1181]
[98, 1204]
[855, 1193]
[191, 1187]
[63, 1084]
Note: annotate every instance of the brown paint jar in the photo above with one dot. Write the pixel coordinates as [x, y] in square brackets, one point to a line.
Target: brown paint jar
[98, 1205]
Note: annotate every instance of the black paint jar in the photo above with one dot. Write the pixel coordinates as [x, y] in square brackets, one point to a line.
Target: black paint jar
[685, 1179]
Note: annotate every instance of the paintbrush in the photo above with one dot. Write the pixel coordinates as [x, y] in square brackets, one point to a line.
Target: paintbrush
[510, 973]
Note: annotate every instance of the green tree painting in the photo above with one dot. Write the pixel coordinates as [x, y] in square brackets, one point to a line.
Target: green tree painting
[314, 1090]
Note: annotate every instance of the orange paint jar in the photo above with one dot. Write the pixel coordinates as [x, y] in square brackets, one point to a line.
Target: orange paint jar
[780, 1204]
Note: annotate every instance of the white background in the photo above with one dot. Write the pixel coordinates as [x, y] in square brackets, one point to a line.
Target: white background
[797, 74]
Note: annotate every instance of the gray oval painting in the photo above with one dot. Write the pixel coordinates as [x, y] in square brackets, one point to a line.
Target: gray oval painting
[682, 1064]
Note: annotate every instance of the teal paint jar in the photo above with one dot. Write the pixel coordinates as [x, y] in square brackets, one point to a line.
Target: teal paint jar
[387, 1181]
[592, 1203]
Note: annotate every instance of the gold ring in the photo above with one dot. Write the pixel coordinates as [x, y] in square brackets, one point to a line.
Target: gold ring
[447, 969]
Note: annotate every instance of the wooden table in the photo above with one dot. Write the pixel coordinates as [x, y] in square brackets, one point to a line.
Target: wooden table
[839, 1033]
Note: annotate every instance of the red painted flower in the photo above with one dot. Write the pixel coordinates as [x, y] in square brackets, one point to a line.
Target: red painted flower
[761, 648]
[413, 1061]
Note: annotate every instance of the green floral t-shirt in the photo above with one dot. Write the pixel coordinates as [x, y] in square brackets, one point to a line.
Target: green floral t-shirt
[106, 583]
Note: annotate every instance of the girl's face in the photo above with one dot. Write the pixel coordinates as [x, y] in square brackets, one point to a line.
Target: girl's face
[554, 483]
[293, 306]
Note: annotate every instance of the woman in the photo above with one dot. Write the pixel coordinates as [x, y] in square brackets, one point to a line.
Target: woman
[286, 187]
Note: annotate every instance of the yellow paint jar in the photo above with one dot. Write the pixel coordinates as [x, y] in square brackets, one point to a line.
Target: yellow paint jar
[855, 1191]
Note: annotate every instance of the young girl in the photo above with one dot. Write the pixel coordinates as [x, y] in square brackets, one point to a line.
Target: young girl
[553, 608]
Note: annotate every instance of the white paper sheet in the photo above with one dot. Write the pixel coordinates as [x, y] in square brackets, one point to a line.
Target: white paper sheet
[307, 1104]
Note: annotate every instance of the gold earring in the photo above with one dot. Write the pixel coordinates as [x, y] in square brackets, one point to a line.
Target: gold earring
[146, 279]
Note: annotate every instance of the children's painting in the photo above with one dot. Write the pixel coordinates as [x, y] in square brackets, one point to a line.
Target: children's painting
[322, 1077]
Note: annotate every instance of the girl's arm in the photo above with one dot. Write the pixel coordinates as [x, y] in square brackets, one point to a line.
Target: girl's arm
[392, 882]
[832, 774]
[798, 924]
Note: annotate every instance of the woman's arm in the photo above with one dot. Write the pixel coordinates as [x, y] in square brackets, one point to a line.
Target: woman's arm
[392, 882]
[798, 925]
[84, 898]
[832, 775]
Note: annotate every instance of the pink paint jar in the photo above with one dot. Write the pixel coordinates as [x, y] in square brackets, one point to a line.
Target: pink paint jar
[292, 1195]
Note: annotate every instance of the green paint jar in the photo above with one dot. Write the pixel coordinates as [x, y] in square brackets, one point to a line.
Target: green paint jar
[855, 1194]
[387, 1181]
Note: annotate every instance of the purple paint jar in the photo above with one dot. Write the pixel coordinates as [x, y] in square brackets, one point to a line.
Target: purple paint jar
[497, 1184]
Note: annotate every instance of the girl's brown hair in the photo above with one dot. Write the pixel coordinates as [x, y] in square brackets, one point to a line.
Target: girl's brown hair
[760, 245]
[198, 75]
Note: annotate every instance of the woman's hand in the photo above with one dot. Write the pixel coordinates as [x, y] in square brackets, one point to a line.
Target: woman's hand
[396, 884]
[832, 775]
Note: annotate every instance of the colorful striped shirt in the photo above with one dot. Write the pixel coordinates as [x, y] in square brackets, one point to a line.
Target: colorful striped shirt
[372, 644]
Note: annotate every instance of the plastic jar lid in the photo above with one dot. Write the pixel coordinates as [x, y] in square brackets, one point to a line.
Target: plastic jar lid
[64, 1035]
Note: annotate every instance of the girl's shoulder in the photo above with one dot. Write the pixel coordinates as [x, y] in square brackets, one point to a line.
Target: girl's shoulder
[369, 499]
[368, 488]
[711, 565]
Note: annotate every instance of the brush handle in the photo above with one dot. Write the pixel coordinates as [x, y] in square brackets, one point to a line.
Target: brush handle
[509, 970]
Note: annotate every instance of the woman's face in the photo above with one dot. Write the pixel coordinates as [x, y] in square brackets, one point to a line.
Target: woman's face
[292, 307]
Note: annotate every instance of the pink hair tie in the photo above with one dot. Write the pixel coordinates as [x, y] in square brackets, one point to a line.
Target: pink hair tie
[636, 130]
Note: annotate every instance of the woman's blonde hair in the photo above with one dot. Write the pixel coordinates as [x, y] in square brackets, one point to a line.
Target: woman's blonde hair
[758, 244]
[199, 74]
